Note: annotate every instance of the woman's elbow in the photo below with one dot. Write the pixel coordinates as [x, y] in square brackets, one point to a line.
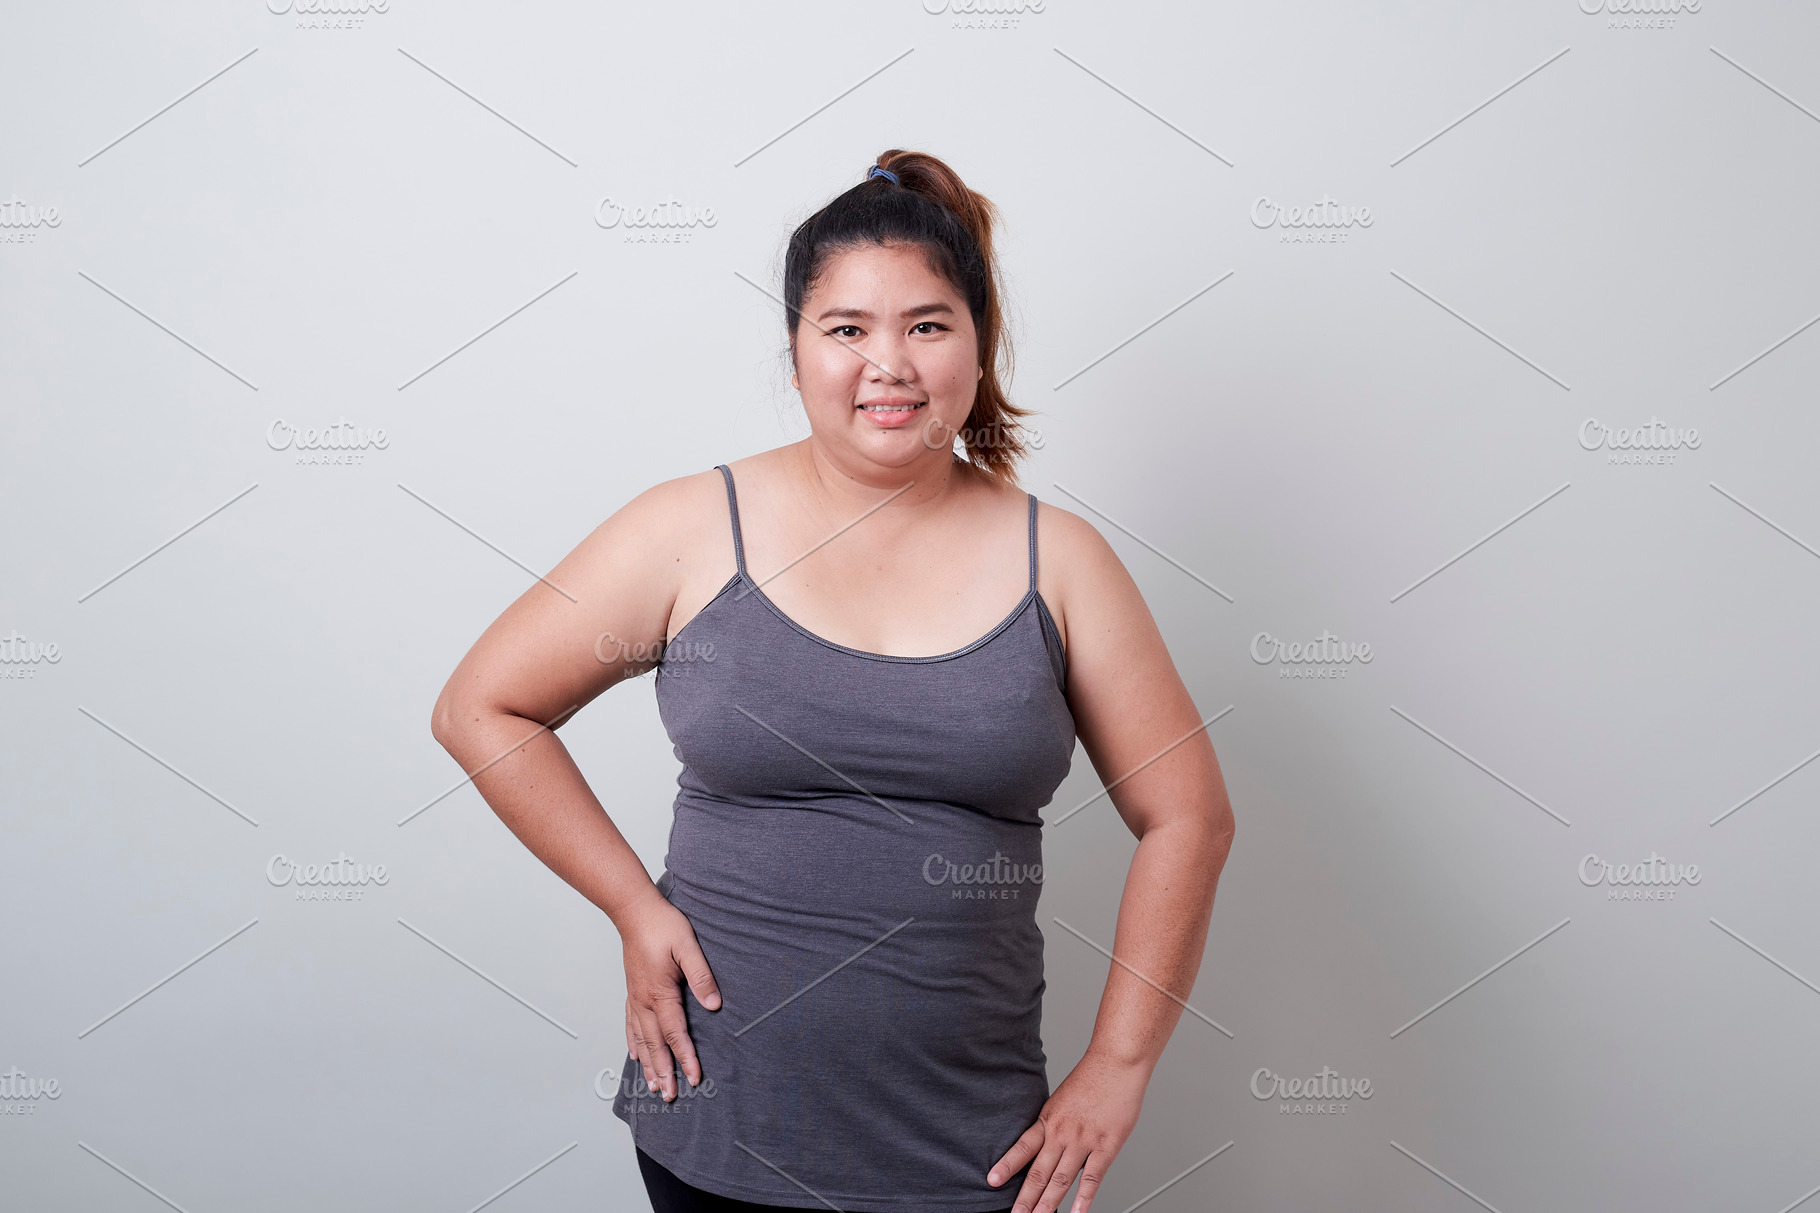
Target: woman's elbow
[447, 717]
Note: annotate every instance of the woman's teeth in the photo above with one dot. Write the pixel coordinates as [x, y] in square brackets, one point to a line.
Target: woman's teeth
[891, 408]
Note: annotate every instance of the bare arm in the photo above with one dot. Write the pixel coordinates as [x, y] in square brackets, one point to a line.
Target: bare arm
[601, 617]
[1143, 733]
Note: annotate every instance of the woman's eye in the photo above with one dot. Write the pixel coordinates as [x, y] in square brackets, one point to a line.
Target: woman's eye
[845, 331]
[927, 327]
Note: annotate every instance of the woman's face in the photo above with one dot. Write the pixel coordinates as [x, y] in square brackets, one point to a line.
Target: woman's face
[887, 359]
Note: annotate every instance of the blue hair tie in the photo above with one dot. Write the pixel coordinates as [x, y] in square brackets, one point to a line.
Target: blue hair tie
[886, 173]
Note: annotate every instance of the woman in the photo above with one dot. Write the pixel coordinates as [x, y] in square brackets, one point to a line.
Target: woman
[842, 960]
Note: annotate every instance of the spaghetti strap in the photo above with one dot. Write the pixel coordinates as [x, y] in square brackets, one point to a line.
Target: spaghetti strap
[1032, 497]
[739, 547]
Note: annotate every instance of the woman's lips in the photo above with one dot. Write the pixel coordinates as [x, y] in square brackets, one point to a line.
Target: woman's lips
[890, 414]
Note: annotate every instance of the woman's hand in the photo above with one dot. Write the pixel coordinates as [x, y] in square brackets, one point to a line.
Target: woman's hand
[661, 953]
[1080, 1130]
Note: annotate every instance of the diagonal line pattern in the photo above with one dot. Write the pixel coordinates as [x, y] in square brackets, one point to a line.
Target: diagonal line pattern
[548, 727]
[167, 766]
[1184, 1175]
[799, 1183]
[1753, 513]
[1159, 551]
[747, 589]
[1772, 88]
[483, 105]
[1488, 535]
[224, 71]
[521, 564]
[824, 977]
[1773, 347]
[534, 1170]
[1759, 951]
[1766, 787]
[496, 985]
[1441, 1175]
[110, 1162]
[1127, 341]
[166, 328]
[761, 147]
[824, 766]
[135, 998]
[1127, 96]
[483, 332]
[1481, 105]
[1475, 762]
[168, 542]
[1140, 766]
[1475, 328]
[1153, 985]
[1812, 1192]
[1481, 977]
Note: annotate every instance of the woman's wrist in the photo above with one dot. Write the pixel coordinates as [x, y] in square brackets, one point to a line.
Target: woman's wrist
[1119, 1061]
[636, 897]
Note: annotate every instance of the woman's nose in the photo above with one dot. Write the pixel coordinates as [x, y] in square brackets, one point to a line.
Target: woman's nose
[890, 361]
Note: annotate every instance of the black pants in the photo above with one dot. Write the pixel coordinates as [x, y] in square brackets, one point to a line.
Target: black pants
[672, 1195]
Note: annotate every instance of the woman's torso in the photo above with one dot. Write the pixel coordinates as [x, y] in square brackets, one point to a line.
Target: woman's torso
[857, 844]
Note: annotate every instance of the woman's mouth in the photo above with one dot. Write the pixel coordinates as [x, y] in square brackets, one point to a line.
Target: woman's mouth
[891, 412]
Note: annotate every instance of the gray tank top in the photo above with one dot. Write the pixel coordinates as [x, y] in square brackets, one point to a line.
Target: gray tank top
[858, 847]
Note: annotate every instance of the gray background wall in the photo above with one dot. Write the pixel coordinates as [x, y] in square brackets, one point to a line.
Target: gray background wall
[1612, 225]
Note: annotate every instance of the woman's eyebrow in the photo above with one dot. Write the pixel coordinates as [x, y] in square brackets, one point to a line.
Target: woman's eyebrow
[856, 313]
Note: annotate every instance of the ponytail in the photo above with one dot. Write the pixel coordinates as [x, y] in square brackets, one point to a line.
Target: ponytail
[912, 197]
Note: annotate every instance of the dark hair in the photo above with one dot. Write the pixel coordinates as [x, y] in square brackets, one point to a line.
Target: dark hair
[931, 207]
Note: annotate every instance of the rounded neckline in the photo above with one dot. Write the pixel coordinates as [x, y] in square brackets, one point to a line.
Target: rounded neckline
[1023, 604]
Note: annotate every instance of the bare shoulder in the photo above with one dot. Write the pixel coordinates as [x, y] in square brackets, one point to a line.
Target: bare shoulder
[663, 520]
[600, 614]
[673, 538]
[1082, 580]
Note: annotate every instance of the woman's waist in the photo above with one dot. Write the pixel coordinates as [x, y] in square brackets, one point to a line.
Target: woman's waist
[831, 851]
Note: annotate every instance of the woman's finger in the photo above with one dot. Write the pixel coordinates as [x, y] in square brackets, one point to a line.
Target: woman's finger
[1062, 1178]
[1036, 1180]
[1092, 1172]
[1022, 1151]
[665, 1066]
[695, 970]
[675, 1027]
[640, 1051]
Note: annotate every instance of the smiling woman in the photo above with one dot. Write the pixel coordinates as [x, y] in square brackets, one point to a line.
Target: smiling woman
[909, 682]
[913, 206]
